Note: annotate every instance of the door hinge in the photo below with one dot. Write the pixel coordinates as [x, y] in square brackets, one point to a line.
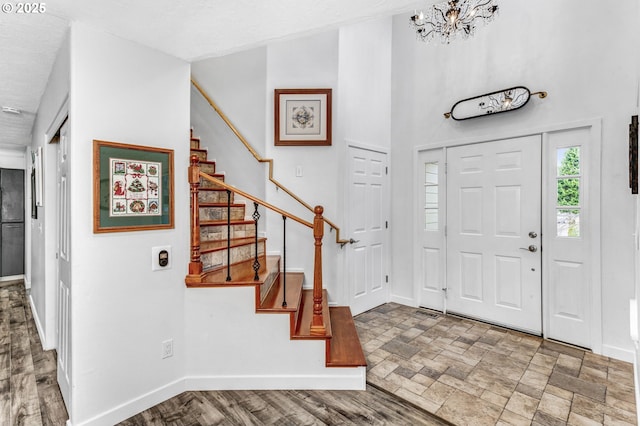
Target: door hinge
[386, 278]
[386, 224]
[444, 290]
[446, 168]
[386, 170]
[445, 230]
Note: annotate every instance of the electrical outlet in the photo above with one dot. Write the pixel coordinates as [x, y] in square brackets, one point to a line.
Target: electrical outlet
[167, 348]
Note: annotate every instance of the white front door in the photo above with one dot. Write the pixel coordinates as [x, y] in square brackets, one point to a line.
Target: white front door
[64, 266]
[493, 232]
[368, 206]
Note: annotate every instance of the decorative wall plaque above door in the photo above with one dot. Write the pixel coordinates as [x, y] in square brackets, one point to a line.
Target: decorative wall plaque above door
[492, 103]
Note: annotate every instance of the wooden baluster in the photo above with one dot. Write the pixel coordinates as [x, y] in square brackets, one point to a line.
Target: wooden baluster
[195, 265]
[317, 322]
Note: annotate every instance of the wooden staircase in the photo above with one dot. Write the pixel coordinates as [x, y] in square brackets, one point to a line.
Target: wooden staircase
[220, 260]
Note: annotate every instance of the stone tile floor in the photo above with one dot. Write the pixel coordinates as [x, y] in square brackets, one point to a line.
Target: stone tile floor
[472, 373]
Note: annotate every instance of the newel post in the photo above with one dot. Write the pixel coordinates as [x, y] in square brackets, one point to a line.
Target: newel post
[195, 265]
[317, 322]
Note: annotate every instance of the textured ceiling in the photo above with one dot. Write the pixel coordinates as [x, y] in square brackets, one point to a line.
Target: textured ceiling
[28, 47]
[190, 30]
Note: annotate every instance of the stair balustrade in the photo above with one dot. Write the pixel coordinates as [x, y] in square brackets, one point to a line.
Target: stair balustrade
[198, 275]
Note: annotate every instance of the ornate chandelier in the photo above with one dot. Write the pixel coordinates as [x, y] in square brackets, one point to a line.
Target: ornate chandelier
[451, 18]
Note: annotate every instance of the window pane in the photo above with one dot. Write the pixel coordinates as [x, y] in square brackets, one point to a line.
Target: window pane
[568, 223]
[568, 161]
[431, 220]
[431, 196]
[431, 173]
[569, 192]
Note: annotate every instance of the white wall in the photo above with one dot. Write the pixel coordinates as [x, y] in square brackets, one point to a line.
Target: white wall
[121, 311]
[589, 72]
[237, 84]
[43, 229]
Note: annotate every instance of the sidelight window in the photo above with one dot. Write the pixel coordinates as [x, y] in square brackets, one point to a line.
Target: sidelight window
[568, 200]
[431, 196]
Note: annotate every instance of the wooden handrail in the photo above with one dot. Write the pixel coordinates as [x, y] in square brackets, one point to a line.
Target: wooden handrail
[255, 199]
[263, 160]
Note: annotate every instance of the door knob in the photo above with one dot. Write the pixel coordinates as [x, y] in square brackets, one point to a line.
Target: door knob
[531, 248]
[352, 241]
[532, 234]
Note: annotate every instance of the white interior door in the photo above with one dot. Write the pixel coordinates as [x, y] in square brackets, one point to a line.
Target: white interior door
[368, 204]
[430, 226]
[493, 232]
[64, 265]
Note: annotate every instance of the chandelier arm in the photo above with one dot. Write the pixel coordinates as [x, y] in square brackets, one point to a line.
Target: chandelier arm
[444, 17]
[424, 36]
[474, 18]
[483, 4]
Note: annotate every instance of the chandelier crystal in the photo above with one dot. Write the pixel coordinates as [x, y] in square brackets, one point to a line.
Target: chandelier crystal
[452, 18]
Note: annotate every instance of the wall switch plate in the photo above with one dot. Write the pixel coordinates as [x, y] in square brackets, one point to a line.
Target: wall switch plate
[167, 348]
[157, 259]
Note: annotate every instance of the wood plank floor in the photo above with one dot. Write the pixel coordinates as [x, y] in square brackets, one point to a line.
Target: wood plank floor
[289, 407]
[29, 392]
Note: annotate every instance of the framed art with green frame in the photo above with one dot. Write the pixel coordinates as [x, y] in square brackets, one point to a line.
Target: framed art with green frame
[132, 187]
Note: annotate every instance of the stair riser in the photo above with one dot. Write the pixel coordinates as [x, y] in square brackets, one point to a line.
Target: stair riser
[208, 184]
[218, 258]
[219, 232]
[214, 197]
[220, 213]
[208, 168]
[269, 282]
[195, 144]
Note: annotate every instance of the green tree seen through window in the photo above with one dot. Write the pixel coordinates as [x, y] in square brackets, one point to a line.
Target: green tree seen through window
[569, 189]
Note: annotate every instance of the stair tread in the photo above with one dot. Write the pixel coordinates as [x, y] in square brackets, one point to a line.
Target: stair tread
[198, 149]
[345, 349]
[273, 302]
[221, 205]
[212, 189]
[303, 327]
[217, 277]
[208, 246]
[224, 222]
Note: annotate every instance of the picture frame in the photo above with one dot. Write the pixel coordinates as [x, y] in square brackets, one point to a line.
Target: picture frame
[132, 187]
[34, 208]
[302, 117]
[37, 160]
[633, 154]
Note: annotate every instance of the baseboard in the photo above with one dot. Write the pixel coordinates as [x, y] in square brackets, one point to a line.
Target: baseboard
[347, 379]
[36, 319]
[12, 278]
[618, 353]
[135, 406]
[355, 380]
[407, 301]
[636, 381]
